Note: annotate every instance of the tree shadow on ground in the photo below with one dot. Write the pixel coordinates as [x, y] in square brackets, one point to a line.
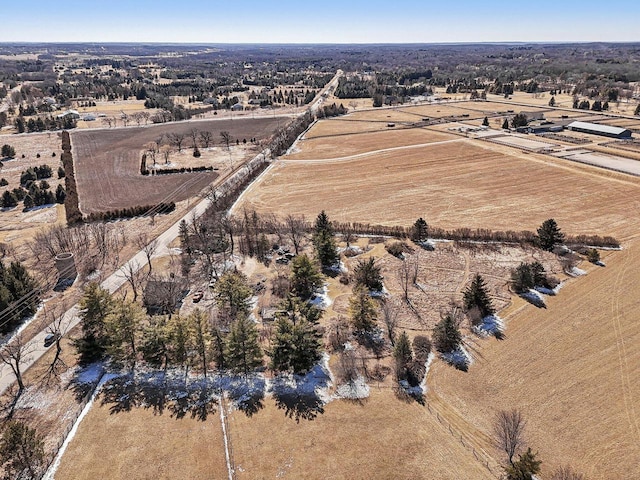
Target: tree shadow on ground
[162, 393]
[247, 393]
[305, 406]
[408, 394]
[298, 395]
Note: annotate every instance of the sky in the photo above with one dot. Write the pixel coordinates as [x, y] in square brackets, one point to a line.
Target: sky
[329, 21]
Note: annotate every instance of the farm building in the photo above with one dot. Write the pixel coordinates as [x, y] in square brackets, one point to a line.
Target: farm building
[162, 297]
[597, 129]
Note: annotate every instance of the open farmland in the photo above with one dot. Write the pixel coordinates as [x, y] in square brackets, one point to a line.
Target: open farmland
[335, 146]
[107, 162]
[462, 183]
[380, 437]
[112, 446]
[569, 367]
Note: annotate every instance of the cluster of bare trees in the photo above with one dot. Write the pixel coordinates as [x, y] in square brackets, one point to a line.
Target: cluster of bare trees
[93, 245]
[165, 145]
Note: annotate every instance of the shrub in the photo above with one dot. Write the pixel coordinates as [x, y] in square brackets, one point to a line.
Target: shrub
[396, 249]
[3, 182]
[593, 255]
[8, 151]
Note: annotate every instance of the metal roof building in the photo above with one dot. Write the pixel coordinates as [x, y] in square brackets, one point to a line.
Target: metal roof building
[597, 129]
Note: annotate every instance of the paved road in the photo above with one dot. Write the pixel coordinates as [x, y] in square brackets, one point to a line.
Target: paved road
[35, 348]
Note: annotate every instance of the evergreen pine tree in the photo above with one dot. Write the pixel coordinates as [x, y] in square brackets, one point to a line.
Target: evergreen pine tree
[123, 327]
[21, 451]
[485, 122]
[362, 310]
[420, 231]
[9, 200]
[446, 336]
[476, 295]
[95, 305]
[296, 348]
[549, 235]
[505, 124]
[324, 241]
[232, 294]
[525, 467]
[243, 353]
[367, 274]
[305, 279]
[403, 355]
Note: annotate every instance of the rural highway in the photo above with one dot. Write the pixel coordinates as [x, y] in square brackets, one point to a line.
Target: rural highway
[35, 349]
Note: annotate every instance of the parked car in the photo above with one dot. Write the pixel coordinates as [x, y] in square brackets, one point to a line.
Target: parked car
[198, 296]
[50, 339]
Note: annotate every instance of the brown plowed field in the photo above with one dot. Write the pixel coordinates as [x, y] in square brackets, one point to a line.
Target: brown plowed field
[107, 162]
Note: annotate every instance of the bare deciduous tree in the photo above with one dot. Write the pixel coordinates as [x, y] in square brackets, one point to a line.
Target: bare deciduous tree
[177, 139]
[57, 325]
[508, 427]
[12, 354]
[206, 138]
[567, 473]
[295, 231]
[193, 133]
[133, 275]
[152, 149]
[347, 370]
[390, 318]
[166, 151]
[226, 138]
[148, 247]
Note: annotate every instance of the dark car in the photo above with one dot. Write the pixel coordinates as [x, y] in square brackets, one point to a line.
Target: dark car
[50, 339]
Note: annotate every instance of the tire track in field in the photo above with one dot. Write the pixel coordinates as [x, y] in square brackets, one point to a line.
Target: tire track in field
[617, 314]
[358, 156]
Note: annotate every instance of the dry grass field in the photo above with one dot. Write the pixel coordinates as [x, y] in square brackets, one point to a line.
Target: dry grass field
[107, 163]
[336, 146]
[140, 445]
[463, 183]
[570, 367]
[16, 225]
[381, 437]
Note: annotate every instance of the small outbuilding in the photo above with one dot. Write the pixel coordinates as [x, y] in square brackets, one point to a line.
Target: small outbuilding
[597, 129]
[162, 297]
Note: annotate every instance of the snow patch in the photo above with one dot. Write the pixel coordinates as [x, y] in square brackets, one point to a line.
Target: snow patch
[322, 299]
[490, 325]
[354, 390]
[459, 358]
[575, 272]
[316, 382]
[419, 390]
[534, 297]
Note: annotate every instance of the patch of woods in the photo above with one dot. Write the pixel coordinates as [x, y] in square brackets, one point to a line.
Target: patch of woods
[31, 192]
[19, 295]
